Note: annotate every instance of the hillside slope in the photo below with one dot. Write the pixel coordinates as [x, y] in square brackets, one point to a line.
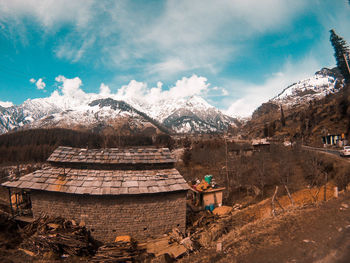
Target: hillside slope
[303, 116]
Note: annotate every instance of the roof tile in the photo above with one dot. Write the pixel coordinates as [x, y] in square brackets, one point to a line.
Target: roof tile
[112, 155]
[101, 182]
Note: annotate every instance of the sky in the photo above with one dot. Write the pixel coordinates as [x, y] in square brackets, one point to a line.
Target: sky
[236, 54]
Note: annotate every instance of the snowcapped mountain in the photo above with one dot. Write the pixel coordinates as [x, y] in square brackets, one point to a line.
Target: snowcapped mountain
[100, 113]
[324, 82]
[186, 115]
[193, 114]
[18, 116]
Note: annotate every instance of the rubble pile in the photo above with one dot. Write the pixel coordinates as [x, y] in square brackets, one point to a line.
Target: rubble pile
[9, 237]
[57, 236]
[120, 251]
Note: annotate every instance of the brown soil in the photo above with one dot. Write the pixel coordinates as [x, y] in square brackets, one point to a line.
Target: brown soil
[311, 233]
[308, 232]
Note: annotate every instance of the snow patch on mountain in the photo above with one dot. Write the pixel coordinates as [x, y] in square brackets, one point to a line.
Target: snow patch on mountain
[324, 82]
[6, 104]
[179, 108]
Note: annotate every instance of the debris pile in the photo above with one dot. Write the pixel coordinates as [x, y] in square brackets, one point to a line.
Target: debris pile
[58, 237]
[120, 251]
[9, 237]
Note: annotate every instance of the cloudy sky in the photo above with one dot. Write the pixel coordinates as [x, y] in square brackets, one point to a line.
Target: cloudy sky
[235, 53]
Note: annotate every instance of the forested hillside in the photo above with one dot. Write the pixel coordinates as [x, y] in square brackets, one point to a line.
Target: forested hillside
[37, 144]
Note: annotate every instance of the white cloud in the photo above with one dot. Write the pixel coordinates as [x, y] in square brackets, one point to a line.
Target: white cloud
[49, 13]
[104, 90]
[180, 36]
[190, 35]
[6, 104]
[254, 95]
[184, 87]
[70, 93]
[168, 67]
[73, 52]
[224, 92]
[32, 80]
[40, 84]
[188, 87]
[134, 89]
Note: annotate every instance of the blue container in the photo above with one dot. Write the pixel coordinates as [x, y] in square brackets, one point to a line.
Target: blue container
[211, 207]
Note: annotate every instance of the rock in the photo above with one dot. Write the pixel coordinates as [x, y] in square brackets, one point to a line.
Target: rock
[222, 210]
[126, 239]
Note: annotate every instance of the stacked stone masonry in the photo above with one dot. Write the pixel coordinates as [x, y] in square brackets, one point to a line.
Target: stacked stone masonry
[108, 216]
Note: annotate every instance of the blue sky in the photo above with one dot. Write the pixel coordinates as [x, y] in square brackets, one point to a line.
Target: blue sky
[247, 51]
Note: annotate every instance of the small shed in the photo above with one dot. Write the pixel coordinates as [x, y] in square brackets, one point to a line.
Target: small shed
[203, 199]
[134, 191]
[260, 145]
[332, 139]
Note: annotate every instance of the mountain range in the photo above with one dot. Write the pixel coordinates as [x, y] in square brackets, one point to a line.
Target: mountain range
[186, 115]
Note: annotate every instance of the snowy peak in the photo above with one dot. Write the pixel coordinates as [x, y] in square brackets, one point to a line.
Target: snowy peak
[196, 115]
[101, 113]
[324, 82]
[185, 115]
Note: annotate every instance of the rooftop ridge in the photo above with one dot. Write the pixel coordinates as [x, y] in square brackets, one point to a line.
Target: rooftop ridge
[130, 155]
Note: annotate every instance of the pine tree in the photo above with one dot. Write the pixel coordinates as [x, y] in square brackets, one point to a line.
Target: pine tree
[341, 52]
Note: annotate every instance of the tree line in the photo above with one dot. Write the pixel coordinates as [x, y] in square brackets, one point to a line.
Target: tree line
[36, 145]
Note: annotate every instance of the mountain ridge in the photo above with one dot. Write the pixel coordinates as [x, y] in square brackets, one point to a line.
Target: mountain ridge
[91, 111]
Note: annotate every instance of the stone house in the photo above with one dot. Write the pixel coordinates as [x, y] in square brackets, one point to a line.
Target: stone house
[133, 191]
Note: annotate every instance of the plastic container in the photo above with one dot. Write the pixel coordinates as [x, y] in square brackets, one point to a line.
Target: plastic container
[211, 207]
[208, 178]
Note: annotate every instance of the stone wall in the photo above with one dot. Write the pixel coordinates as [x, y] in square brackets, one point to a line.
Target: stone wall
[140, 216]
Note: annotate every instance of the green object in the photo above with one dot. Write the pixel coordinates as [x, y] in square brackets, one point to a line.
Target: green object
[208, 178]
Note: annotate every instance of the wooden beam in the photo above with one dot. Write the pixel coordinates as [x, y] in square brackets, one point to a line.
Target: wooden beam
[347, 64]
[10, 202]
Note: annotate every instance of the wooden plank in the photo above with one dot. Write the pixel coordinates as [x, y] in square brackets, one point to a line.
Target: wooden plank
[27, 219]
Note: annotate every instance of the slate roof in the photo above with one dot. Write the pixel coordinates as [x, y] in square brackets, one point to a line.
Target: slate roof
[102, 182]
[112, 155]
